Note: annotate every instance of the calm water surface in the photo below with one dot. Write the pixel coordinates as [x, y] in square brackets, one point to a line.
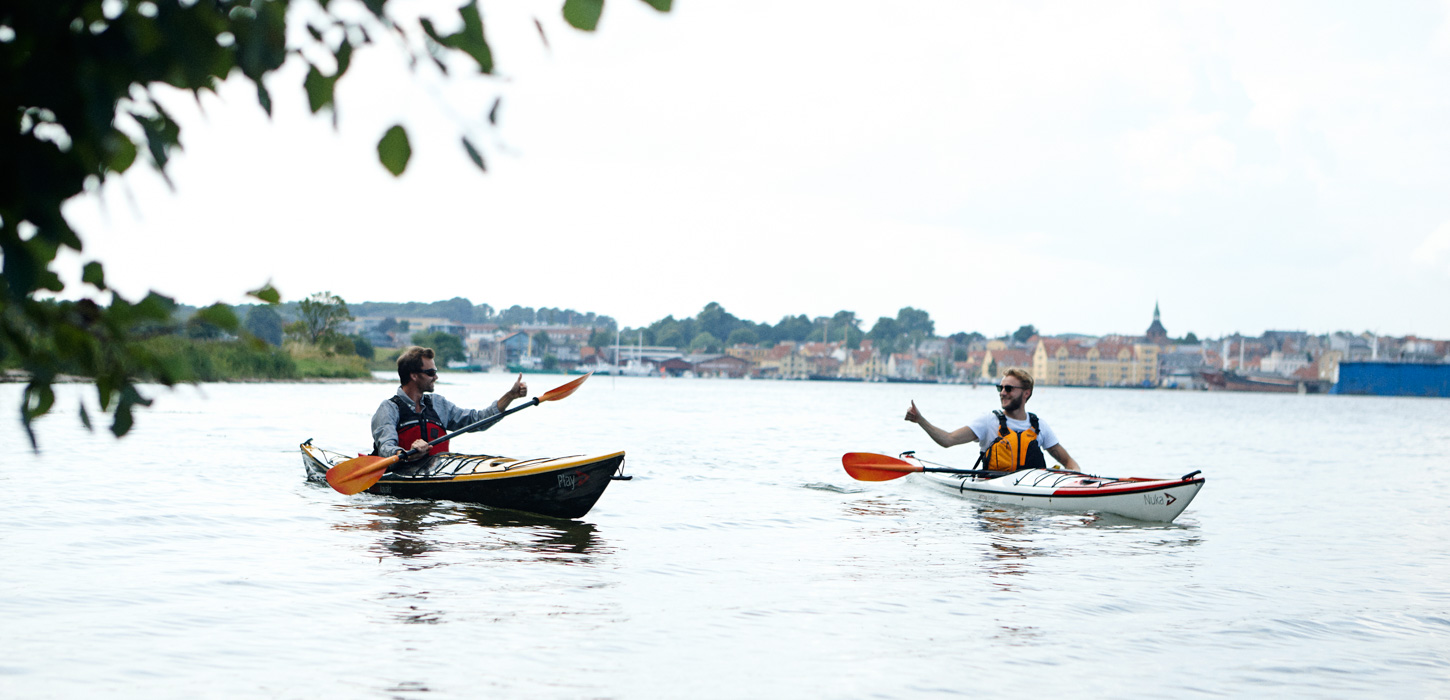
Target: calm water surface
[191, 559]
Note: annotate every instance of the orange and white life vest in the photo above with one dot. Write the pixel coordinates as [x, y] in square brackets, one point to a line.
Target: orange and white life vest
[1011, 449]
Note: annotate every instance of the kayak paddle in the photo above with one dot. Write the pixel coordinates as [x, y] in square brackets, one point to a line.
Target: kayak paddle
[869, 466]
[360, 473]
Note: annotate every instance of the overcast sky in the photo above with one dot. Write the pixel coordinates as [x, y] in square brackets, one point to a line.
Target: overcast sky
[1250, 166]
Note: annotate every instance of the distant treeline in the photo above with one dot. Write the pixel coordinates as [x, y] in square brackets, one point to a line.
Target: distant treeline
[461, 310]
[457, 309]
[715, 328]
[712, 329]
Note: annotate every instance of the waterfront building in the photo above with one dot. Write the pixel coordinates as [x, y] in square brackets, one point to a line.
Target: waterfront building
[905, 365]
[515, 346]
[485, 350]
[1284, 364]
[675, 367]
[970, 370]
[1182, 366]
[428, 324]
[1107, 362]
[770, 365]
[572, 336]
[1394, 379]
[794, 365]
[995, 361]
[863, 364]
[753, 353]
[724, 366]
[813, 349]
[932, 347]
[652, 354]
[825, 366]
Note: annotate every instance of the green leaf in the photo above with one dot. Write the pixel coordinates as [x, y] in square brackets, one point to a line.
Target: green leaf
[162, 135]
[51, 282]
[219, 315]
[121, 151]
[474, 155]
[493, 111]
[344, 59]
[85, 417]
[432, 32]
[264, 98]
[319, 89]
[34, 403]
[64, 234]
[394, 151]
[38, 398]
[155, 307]
[105, 389]
[471, 40]
[266, 293]
[661, 5]
[94, 275]
[583, 14]
[123, 421]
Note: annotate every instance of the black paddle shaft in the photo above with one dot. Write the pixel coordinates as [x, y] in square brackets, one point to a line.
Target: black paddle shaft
[478, 424]
[995, 473]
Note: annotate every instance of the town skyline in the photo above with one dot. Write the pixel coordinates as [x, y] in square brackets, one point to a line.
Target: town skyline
[1175, 330]
[906, 351]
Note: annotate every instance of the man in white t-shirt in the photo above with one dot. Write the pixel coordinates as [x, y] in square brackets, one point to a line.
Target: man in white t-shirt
[1012, 434]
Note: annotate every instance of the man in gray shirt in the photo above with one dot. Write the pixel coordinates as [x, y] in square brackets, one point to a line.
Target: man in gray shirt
[415, 416]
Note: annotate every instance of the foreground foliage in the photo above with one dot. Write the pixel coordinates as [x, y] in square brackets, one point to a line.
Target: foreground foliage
[77, 81]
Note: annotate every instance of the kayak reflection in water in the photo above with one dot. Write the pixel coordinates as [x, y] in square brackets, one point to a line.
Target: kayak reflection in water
[412, 418]
[1017, 437]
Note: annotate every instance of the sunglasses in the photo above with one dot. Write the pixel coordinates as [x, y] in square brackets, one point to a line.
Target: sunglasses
[429, 372]
[1007, 388]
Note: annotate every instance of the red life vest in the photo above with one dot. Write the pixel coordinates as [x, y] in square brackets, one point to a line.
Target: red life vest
[426, 426]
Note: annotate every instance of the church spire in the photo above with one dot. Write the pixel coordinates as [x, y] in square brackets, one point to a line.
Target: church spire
[1156, 332]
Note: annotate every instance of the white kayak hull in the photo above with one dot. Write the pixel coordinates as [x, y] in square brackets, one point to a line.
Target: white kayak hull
[1151, 500]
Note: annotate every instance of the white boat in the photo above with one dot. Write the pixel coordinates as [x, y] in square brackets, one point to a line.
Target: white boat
[1153, 500]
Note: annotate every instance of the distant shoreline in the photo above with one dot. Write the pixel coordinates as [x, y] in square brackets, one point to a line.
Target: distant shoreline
[19, 377]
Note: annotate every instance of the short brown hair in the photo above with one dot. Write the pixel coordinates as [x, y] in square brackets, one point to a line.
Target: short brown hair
[412, 361]
[1020, 375]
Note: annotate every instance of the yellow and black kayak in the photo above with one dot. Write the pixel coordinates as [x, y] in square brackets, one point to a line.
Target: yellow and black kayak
[561, 487]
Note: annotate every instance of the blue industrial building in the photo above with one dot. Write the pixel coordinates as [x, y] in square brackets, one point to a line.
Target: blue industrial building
[1393, 379]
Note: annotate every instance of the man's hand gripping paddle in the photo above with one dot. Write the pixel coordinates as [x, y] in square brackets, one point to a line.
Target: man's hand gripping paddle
[360, 473]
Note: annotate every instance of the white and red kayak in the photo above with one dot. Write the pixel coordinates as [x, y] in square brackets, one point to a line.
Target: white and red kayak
[1153, 500]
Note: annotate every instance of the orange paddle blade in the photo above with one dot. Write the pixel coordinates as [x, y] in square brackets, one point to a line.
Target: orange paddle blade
[563, 390]
[358, 474]
[868, 466]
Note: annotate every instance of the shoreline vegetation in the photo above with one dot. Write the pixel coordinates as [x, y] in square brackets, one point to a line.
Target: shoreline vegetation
[194, 360]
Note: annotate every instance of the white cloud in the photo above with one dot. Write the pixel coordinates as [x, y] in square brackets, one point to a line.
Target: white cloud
[1177, 154]
[1442, 35]
[1434, 251]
